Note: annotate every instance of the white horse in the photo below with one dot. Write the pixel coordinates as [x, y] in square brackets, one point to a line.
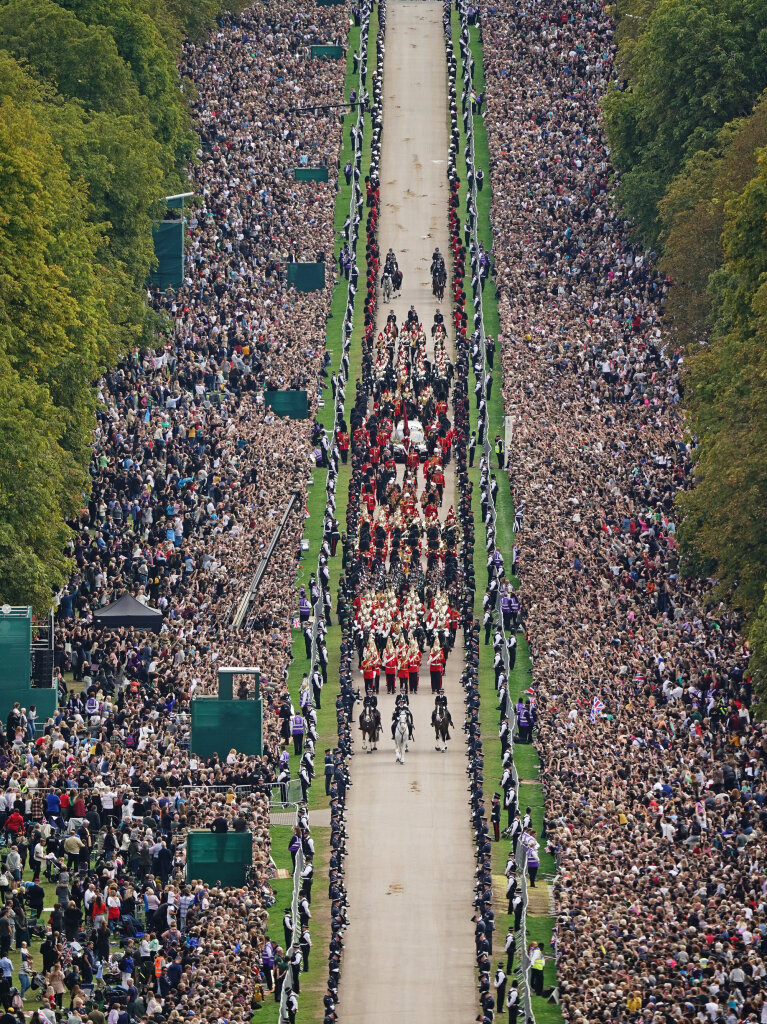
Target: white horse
[386, 286]
[401, 732]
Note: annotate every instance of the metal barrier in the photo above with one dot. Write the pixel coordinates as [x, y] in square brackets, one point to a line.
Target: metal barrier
[291, 789]
[289, 792]
[288, 981]
[479, 326]
[243, 609]
[201, 787]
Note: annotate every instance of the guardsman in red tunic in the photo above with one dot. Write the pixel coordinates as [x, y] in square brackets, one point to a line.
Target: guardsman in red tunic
[369, 668]
[414, 665]
[342, 437]
[403, 670]
[390, 662]
[454, 617]
[376, 658]
[445, 443]
[438, 479]
[436, 666]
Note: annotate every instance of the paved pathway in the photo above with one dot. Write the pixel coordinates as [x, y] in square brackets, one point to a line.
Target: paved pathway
[409, 873]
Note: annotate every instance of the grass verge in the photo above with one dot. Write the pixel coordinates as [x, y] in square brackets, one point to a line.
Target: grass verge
[312, 981]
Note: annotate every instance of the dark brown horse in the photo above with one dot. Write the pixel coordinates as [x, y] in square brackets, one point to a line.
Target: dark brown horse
[441, 720]
[370, 727]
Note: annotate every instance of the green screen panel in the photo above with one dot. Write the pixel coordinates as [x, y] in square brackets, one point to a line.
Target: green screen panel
[15, 647]
[306, 277]
[310, 174]
[15, 660]
[218, 725]
[47, 702]
[168, 238]
[223, 857]
[292, 404]
[16, 667]
[327, 52]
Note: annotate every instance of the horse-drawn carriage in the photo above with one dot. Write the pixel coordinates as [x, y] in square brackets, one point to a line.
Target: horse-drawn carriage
[417, 440]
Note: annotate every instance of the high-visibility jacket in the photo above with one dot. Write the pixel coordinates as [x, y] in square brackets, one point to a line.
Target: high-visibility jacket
[537, 960]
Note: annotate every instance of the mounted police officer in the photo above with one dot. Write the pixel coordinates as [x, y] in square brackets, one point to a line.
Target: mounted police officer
[402, 704]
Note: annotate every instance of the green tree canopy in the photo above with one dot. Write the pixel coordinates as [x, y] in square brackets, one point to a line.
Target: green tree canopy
[39, 488]
[81, 61]
[94, 131]
[73, 304]
[50, 311]
[697, 65]
[725, 520]
[692, 215]
[140, 43]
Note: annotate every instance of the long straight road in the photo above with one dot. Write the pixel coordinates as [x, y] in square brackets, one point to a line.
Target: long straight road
[410, 869]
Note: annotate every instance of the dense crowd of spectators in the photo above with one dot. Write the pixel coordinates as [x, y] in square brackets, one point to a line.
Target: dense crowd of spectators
[651, 762]
[191, 474]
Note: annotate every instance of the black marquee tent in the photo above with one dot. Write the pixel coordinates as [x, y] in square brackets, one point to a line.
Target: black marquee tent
[127, 611]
